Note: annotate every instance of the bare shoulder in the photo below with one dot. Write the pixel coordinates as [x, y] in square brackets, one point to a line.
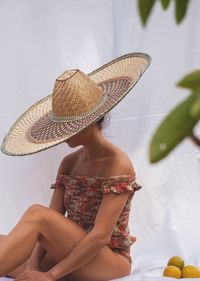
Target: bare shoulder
[120, 163]
[68, 162]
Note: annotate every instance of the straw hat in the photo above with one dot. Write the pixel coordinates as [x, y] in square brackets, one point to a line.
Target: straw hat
[77, 101]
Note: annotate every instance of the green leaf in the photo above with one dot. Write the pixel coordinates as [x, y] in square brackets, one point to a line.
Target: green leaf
[181, 9]
[191, 80]
[174, 128]
[145, 7]
[195, 109]
[165, 4]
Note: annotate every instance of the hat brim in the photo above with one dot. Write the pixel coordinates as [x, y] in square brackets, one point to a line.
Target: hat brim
[36, 131]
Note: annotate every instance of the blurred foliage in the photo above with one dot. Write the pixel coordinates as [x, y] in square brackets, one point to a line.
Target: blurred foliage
[145, 8]
[165, 4]
[180, 122]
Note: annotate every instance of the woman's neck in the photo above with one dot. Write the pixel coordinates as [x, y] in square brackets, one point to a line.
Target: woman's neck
[94, 149]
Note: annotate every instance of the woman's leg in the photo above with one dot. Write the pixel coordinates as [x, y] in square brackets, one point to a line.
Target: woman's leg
[17, 246]
[17, 270]
[46, 264]
[58, 235]
[20, 268]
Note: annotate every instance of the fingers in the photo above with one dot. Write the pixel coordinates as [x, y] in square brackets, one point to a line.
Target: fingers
[23, 276]
[32, 276]
[20, 277]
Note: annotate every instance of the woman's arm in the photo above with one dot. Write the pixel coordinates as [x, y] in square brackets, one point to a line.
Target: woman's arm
[111, 205]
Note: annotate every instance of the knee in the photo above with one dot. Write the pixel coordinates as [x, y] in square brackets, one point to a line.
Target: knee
[35, 208]
[34, 212]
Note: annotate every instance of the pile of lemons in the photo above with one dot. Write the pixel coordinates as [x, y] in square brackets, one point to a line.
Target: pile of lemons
[176, 268]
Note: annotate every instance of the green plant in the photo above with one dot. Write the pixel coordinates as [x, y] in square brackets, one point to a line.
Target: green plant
[145, 8]
[180, 122]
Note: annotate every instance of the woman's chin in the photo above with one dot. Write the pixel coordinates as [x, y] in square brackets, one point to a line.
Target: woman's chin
[71, 144]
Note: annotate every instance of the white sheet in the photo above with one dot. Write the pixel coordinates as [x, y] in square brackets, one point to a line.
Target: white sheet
[43, 38]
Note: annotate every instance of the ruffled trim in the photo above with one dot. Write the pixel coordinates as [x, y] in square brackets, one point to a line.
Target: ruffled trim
[59, 182]
[121, 239]
[120, 185]
[68, 177]
[120, 188]
[116, 184]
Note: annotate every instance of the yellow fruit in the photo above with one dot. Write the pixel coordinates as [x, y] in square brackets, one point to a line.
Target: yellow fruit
[190, 271]
[176, 261]
[172, 271]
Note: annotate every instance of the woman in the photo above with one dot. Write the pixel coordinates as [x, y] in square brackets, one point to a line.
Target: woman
[95, 184]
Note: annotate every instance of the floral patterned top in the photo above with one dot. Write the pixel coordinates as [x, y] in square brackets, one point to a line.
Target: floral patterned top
[82, 198]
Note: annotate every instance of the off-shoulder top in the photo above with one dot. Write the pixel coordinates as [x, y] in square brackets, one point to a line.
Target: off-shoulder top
[83, 196]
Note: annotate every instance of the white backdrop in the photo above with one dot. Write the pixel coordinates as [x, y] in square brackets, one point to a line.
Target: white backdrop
[41, 39]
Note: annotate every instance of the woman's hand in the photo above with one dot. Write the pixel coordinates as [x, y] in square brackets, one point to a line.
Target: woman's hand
[34, 276]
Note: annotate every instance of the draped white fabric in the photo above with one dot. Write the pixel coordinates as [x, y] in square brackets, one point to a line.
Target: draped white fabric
[41, 39]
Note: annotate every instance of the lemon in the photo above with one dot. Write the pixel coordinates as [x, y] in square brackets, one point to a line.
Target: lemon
[190, 271]
[172, 271]
[176, 261]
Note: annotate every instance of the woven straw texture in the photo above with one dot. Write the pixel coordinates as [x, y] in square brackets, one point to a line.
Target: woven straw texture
[50, 122]
[73, 86]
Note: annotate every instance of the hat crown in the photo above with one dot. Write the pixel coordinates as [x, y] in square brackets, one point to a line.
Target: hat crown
[74, 94]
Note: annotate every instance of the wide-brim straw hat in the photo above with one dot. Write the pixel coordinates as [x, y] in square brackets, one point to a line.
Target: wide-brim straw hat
[77, 101]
